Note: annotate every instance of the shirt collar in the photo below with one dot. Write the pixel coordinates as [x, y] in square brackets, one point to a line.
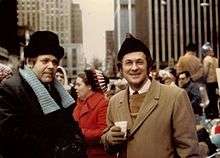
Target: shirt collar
[143, 89]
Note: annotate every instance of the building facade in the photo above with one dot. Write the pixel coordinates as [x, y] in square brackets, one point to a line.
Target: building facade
[76, 24]
[167, 26]
[110, 58]
[125, 15]
[29, 14]
[62, 17]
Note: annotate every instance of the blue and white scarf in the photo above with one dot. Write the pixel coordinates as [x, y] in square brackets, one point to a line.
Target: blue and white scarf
[47, 103]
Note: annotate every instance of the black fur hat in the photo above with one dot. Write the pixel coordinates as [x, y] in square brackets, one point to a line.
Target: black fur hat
[42, 43]
[131, 44]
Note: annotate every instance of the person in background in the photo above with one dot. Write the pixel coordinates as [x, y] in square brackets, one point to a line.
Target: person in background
[167, 77]
[35, 109]
[204, 139]
[5, 72]
[189, 62]
[61, 76]
[154, 75]
[90, 110]
[210, 63]
[192, 89]
[160, 120]
[120, 84]
[111, 91]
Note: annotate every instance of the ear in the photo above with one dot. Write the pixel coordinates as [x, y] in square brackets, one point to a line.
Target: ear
[30, 62]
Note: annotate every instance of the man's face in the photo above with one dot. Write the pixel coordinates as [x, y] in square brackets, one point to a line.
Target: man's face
[183, 80]
[45, 67]
[134, 69]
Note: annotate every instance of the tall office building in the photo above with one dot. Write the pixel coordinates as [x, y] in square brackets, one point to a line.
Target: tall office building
[29, 14]
[167, 26]
[76, 24]
[110, 59]
[57, 16]
[124, 14]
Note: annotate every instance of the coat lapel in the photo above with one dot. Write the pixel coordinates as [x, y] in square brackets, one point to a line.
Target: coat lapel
[123, 108]
[149, 104]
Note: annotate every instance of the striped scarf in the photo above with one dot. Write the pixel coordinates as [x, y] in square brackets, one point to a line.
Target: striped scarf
[46, 102]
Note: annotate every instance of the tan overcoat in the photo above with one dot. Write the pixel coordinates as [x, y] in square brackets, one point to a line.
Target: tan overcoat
[164, 128]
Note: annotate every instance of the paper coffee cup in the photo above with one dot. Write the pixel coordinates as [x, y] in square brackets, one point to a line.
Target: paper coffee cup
[123, 125]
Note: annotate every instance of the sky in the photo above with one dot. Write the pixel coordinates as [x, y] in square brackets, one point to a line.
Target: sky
[97, 17]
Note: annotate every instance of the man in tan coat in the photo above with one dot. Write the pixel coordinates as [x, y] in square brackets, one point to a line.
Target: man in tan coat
[190, 62]
[160, 118]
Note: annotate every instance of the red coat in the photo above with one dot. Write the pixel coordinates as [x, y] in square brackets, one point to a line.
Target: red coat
[91, 116]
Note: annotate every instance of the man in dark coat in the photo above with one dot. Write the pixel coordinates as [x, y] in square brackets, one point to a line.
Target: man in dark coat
[35, 110]
[192, 89]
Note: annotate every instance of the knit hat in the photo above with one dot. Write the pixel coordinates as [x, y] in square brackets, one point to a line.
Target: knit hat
[132, 44]
[42, 43]
[5, 71]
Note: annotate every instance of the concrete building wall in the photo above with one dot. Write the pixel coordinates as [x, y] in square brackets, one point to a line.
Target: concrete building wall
[76, 24]
[110, 61]
[125, 18]
[167, 26]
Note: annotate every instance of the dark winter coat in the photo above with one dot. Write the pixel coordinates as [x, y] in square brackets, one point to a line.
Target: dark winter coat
[193, 92]
[25, 132]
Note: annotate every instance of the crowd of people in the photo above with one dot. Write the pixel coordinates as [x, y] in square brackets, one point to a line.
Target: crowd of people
[172, 112]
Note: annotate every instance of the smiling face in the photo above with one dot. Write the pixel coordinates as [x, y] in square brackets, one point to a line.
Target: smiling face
[134, 69]
[45, 67]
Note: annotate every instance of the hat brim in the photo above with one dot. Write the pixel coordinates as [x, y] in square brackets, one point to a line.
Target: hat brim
[29, 52]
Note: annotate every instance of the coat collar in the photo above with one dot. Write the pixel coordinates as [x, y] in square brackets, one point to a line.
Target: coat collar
[148, 106]
[90, 103]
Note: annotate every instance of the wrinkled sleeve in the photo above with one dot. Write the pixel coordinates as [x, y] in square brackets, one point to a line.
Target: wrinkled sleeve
[184, 128]
[206, 65]
[109, 122]
[11, 127]
[199, 73]
[195, 98]
[111, 149]
[95, 134]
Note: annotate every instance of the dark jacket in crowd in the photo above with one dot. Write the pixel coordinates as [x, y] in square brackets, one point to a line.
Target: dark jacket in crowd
[26, 132]
[193, 92]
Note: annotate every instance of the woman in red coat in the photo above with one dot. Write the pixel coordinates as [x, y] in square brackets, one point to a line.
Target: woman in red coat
[90, 111]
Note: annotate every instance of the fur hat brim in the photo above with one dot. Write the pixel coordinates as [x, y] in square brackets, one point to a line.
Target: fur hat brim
[43, 43]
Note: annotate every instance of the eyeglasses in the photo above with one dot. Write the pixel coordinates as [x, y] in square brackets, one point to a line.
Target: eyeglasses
[182, 78]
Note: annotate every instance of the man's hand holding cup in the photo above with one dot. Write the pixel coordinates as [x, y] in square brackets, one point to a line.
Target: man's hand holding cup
[117, 133]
